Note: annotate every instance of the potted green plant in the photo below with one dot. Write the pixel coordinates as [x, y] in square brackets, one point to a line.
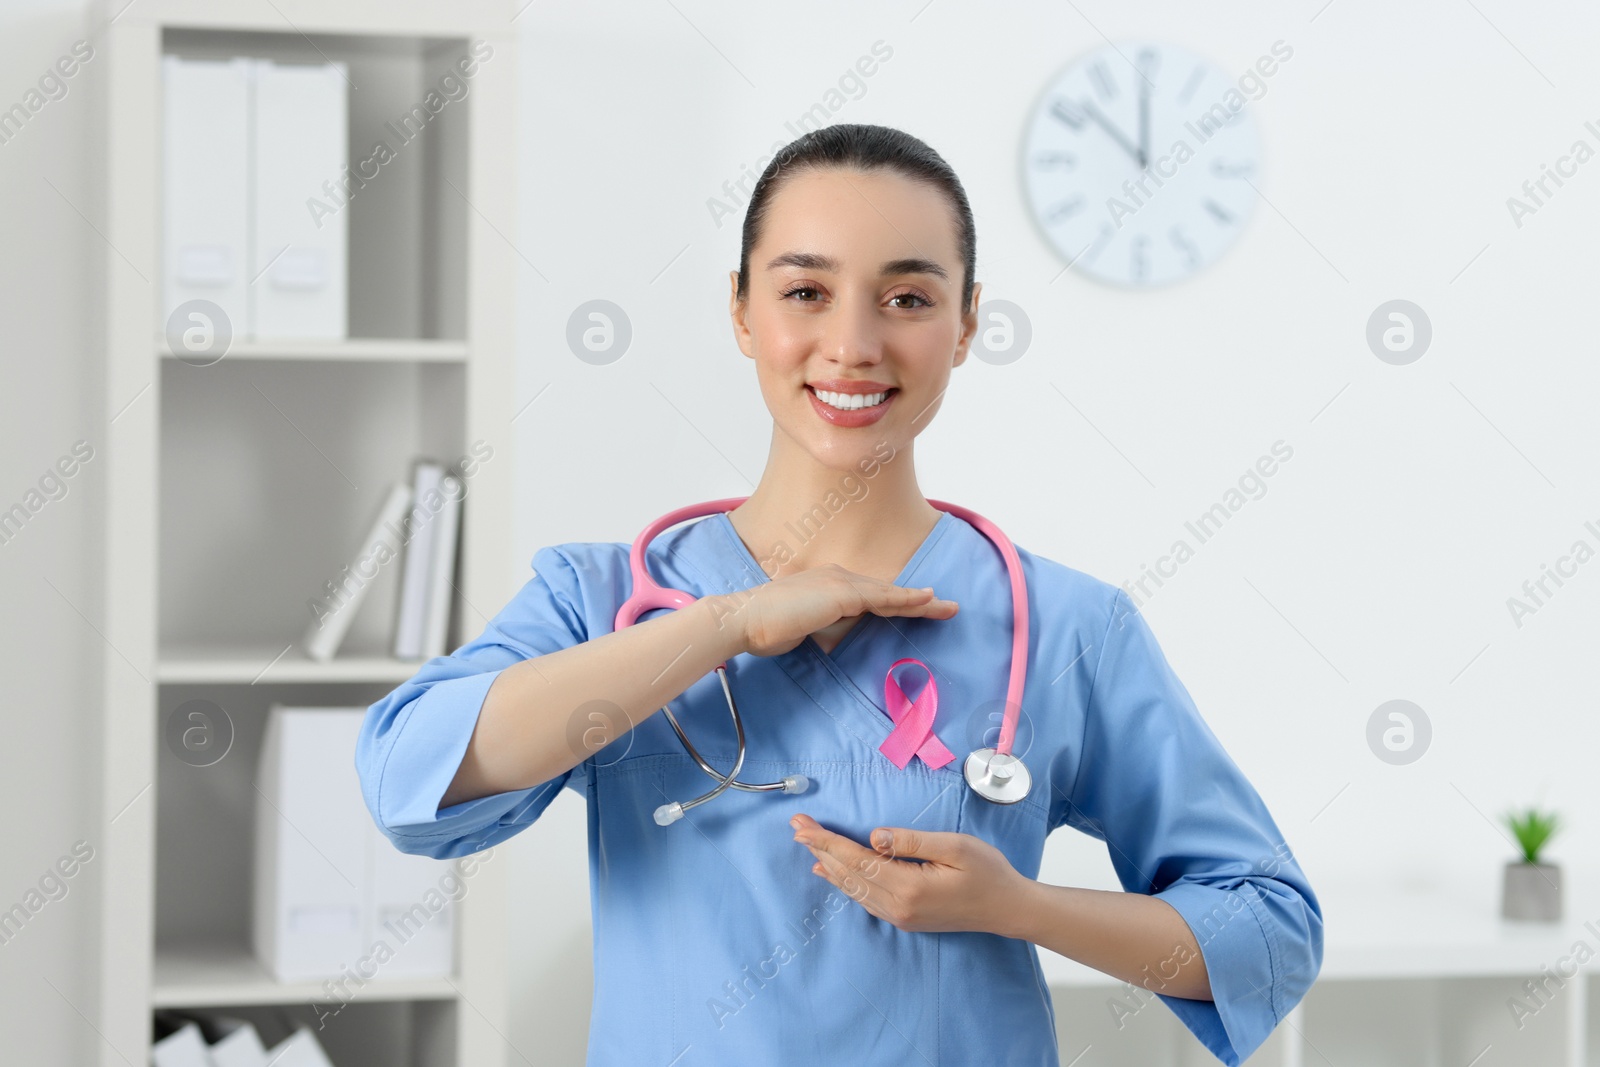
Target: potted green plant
[1532, 889]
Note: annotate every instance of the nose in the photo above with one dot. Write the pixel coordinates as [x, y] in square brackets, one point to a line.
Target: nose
[852, 334]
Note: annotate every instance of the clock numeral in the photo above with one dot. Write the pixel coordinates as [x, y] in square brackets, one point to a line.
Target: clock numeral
[1063, 209]
[1223, 169]
[1192, 84]
[1069, 113]
[1185, 245]
[1219, 212]
[1104, 87]
[1136, 257]
[1064, 160]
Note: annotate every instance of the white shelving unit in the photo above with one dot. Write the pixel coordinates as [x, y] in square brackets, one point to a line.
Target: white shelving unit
[238, 488]
[1408, 980]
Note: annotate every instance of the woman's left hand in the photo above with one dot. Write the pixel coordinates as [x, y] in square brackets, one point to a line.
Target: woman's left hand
[961, 882]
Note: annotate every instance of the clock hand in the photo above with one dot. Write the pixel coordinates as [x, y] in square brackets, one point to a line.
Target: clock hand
[1116, 134]
[1144, 122]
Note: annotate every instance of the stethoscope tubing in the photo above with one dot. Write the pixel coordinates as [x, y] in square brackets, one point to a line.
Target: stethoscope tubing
[672, 811]
[994, 773]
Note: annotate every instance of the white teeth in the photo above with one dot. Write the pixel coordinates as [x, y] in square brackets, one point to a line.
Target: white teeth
[850, 401]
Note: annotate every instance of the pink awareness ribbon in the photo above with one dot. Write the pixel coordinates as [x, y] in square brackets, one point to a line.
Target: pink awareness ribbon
[913, 722]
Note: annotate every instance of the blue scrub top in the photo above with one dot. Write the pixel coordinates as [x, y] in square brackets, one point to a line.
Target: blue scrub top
[713, 941]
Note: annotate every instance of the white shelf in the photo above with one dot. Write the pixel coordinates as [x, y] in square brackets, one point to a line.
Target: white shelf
[254, 665]
[356, 349]
[208, 975]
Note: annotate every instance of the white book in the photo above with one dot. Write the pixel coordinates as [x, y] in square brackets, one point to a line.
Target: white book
[205, 186]
[332, 612]
[182, 1048]
[420, 529]
[299, 1049]
[298, 262]
[441, 587]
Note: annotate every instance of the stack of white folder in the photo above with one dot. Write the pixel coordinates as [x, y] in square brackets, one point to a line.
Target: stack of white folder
[247, 143]
[238, 1045]
[417, 525]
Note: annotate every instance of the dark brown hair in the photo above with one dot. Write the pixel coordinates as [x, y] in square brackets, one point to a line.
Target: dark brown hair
[853, 145]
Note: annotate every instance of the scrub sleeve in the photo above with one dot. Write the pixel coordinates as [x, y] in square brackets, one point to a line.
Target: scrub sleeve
[1183, 823]
[412, 741]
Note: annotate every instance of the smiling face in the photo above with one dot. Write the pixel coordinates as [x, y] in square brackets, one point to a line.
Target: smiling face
[854, 292]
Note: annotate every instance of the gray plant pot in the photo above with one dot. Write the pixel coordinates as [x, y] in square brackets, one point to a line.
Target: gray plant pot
[1532, 892]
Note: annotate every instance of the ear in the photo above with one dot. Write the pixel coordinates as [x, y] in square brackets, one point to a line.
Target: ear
[969, 327]
[736, 311]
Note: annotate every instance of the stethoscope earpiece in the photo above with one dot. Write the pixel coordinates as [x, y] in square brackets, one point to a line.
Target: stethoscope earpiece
[667, 814]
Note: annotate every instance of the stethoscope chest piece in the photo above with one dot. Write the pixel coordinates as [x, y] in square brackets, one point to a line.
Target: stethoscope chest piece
[997, 776]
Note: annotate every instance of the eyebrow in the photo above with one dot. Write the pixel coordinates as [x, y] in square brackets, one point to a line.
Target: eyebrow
[817, 261]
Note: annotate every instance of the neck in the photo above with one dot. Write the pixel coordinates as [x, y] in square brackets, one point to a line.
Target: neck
[868, 517]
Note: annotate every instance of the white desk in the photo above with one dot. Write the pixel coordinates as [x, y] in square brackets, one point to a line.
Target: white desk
[1407, 980]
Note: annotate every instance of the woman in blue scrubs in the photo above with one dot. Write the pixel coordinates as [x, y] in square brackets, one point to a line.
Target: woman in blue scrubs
[887, 915]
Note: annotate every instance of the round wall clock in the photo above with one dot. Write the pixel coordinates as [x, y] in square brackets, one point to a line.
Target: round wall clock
[1139, 162]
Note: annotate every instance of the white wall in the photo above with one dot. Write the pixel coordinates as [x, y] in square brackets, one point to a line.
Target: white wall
[1378, 564]
[49, 650]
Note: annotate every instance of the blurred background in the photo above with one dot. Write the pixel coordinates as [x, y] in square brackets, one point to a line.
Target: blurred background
[1340, 357]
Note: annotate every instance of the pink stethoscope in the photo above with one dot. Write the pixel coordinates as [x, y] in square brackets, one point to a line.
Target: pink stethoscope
[993, 773]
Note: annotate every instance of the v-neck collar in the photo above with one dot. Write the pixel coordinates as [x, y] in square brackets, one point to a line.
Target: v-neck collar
[824, 676]
[742, 552]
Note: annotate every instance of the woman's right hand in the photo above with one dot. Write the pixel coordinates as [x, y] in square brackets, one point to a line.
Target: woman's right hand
[775, 617]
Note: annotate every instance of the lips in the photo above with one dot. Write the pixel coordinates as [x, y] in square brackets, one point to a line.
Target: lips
[862, 416]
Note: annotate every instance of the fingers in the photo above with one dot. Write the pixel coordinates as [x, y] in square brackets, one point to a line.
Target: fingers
[856, 883]
[902, 601]
[859, 875]
[810, 832]
[938, 845]
[850, 866]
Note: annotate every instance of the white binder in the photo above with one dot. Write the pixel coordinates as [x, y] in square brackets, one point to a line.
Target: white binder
[183, 1048]
[310, 847]
[329, 886]
[299, 1049]
[410, 908]
[300, 249]
[206, 174]
[240, 1047]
